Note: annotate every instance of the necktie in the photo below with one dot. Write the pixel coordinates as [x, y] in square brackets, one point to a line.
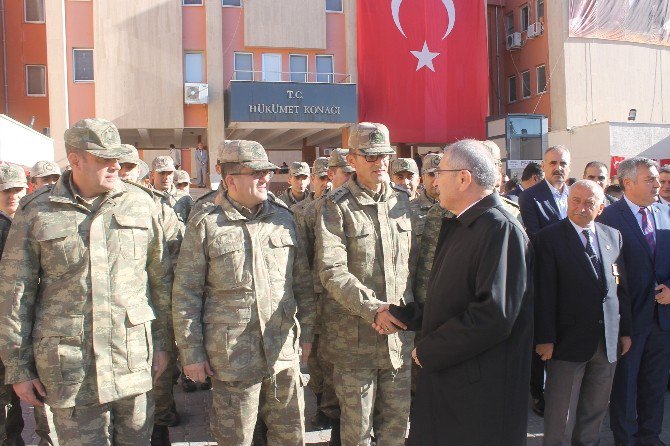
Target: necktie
[648, 230]
[595, 261]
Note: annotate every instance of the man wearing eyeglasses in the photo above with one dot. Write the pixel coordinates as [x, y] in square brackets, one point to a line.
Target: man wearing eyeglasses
[241, 285]
[363, 242]
[597, 172]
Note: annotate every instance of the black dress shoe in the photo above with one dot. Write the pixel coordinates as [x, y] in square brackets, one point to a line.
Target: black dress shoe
[320, 421]
[160, 436]
[538, 406]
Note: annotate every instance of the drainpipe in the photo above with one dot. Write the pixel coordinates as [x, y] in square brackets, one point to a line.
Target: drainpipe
[4, 55]
[497, 63]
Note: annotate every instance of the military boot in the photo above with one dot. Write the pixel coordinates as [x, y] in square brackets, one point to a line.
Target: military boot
[319, 421]
[260, 437]
[335, 432]
[160, 436]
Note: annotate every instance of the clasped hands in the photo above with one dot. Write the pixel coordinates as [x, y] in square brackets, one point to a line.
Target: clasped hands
[385, 323]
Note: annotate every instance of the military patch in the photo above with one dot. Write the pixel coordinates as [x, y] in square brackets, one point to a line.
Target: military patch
[377, 137]
[110, 136]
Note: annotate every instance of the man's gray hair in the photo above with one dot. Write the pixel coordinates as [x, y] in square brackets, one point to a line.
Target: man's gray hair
[592, 186]
[628, 168]
[472, 155]
[558, 148]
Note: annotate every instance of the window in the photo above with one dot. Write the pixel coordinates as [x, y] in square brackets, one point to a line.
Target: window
[33, 11]
[229, 3]
[191, 2]
[525, 18]
[509, 24]
[334, 5]
[324, 69]
[525, 84]
[244, 66]
[272, 67]
[194, 67]
[298, 67]
[83, 65]
[36, 80]
[541, 79]
[540, 9]
[511, 88]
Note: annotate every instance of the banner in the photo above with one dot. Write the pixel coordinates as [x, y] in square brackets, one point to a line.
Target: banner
[614, 165]
[423, 68]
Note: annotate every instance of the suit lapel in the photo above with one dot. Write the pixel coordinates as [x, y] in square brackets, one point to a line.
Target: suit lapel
[549, 201]
[628, 216]
[575, 243]
[606, 245]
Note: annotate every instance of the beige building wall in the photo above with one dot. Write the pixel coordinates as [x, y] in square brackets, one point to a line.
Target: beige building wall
[586, 143]
[138, 62]
[599, 80]
[215, 123]
[54, 12]
[285, 24]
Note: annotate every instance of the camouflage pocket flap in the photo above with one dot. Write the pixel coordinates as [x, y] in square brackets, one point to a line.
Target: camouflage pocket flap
[225, 244]
[404, 224]
[55, 231]
[140, 314]
[358, 230]
[226, 315]
[128, 221]
[62, 326]
[281, 239]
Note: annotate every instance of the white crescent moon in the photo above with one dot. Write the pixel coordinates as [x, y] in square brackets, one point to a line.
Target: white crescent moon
[448, 4]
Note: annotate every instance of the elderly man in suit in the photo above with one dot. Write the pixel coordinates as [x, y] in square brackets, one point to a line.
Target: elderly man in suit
[581, 312]
[636, 410]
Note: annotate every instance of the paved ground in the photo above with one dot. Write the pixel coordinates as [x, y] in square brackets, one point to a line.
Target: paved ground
[194, 428]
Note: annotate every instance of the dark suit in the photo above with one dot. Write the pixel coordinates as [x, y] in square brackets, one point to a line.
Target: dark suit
[576, 309]
[477, 333]
[514, 194]
[636, 410]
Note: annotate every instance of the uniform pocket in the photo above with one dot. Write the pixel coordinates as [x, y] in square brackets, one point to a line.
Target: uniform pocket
[227, 254]
[60, 242]
[289, 330]
[360, 246]
[282, 244]
[139, 342]
[133, 233]
[59, 351]
[227, 338]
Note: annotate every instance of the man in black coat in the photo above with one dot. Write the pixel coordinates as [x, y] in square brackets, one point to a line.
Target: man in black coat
[477, 325]
[531, 175]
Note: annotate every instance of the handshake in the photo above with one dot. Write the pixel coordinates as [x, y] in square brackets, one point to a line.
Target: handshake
[393, 318]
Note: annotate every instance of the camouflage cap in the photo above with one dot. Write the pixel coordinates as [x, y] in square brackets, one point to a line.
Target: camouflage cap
[338, 158]
[163, 164]
[98, 137]
[12, 175]
[404, 165]
[250, 154]
[298, 168]
[431, 162]
[44, 168]
[320, 167]
[371, 138]
[133, 157]
[181, 176]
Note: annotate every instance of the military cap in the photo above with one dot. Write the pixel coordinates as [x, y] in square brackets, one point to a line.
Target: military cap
[431, 162]
[338, 158]
[250, 154]
[133, 157]
[98, 137]
[12, 175]
[44, 168]
[320, 167]
[163, 164]
[181, 176]
[371, 138]
[404, 165]
[298, 168]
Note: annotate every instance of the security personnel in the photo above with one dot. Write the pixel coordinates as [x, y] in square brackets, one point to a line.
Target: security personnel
[162, 179]
[44, 172]
[298, 180]
[241, 280]
[405, 174]
[84, 267]
[320, 185]
[183, 182]
[132, 167]
[363, 242]
[509, 205]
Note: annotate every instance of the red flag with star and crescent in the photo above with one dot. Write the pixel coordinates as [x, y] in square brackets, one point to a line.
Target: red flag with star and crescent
[423, 68]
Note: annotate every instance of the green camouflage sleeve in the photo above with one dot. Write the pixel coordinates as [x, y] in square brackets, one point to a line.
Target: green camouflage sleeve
[173, 230]
[426, 252]
[188, 294]
[332, 263]
[303, 290]
[19, 272]
[159, 272]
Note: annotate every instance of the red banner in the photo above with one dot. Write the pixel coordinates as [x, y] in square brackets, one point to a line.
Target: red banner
[423, 68]
[614, 165]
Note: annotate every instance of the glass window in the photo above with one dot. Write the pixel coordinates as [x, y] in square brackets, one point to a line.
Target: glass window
[191, 2]
[334, 5]
[272, 67]
[509, 24]
[540, 9]
[194, 67]
[541, 79]
[83, 65]
[525, 84]
[231, 2]
[525, 18]
[324, 69]
[511, 88]
[33, 11]
[298, 67]
[244, 66]
[36, 80]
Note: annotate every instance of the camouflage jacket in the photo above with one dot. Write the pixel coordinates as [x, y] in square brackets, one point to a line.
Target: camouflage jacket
[288, 198]
[179, 201]
[5, 224]
[363, 257]
[428, 246]
[79, 291]
[420, 206]
[238, 285]
[300, 206]
[207, 199]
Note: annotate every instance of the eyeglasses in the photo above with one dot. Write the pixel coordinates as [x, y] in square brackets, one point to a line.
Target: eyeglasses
[371, 158]
[256, 174]
[439, 171]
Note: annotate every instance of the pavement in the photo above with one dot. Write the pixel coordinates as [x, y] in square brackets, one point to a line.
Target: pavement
[194, 428]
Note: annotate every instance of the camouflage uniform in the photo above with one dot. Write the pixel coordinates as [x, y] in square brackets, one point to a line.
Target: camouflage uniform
[176, 199]
[297, 168]
[240, 282]
[509, 205]
[363, 244]
[79, 282]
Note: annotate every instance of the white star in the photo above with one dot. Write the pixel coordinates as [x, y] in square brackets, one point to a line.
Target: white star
[425, 57]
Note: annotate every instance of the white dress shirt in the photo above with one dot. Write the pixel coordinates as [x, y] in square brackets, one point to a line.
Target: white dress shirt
[561, 199]
[592, 234]
[635, 209]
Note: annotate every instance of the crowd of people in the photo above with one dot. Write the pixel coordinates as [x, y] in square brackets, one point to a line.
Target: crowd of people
[413, 290]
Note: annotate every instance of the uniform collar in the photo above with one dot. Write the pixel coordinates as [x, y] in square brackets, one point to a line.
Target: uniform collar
[365, 196]
[5, 215]
[64, 191]
[235, 211]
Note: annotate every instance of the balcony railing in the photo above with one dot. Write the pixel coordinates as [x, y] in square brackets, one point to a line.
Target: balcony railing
[287, 76]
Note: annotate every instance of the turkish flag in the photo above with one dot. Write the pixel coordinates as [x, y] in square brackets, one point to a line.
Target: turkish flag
[614, 165]
[423, 68]
[664, 162]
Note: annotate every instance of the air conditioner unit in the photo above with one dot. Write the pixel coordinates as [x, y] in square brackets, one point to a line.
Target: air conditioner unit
[534, 30]
[513, 41]
[195, 93]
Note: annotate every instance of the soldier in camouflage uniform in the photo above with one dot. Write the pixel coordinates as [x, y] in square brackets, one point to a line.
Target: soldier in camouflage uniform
[363, 243]
[43, 173]
[509, 205]
[298, 180]
[84, 267]
[162, 179]
[405, 173]
[241, 280]
[132, 167]
[320, 185]
[183, 182]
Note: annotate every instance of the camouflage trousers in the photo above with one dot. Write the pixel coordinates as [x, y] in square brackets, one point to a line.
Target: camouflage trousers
[278, 400]
[373, 398]
[165, 412]
[125, 422]
[321, 381]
